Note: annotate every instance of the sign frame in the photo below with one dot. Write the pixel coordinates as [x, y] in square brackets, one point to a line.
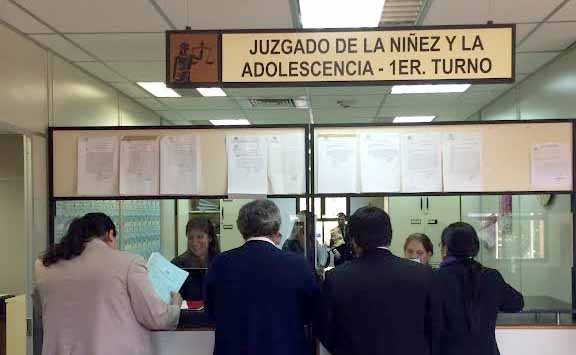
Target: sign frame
[220, 83]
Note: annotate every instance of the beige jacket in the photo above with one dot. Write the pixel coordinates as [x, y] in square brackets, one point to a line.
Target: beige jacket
[100, 303]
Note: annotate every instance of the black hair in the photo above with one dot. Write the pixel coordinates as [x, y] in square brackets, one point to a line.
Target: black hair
[423, 239]
[461, 242]
[370, 228]
[80, 231]
[203, 224]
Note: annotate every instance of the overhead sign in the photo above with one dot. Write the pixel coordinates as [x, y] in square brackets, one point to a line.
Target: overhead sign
[378, 56]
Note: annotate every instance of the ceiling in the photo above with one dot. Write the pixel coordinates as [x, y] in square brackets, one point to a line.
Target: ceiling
[122, 42]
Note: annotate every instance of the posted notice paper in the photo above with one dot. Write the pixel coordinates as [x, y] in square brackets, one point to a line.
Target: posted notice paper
[247, 165]
[462, 163]
[165, 276]
[139, 166]
[422, 162]
[551, 167]
[337, 164]
[98, 165]
[179, 162]
[380, 168]
[286, 169]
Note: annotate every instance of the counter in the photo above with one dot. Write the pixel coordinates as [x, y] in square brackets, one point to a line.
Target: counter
[195, 336]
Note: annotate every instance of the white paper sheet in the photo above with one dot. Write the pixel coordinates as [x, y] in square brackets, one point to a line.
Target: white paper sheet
[551, 167]
[139, 166]
[380, 168]
[164, 276]
[286, 170]
[422, 162]
[179, 162]
[247, 165]
[98, 166]
[337, 164]
[462, 162]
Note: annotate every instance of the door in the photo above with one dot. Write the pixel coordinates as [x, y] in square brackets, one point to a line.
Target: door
[230, 237]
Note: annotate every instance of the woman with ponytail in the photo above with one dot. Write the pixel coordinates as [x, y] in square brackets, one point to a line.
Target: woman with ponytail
[97, 300]
[471, 296]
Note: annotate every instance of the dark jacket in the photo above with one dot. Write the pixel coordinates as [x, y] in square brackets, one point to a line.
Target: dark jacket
[379, 304]
[471, 329]
[260, 298]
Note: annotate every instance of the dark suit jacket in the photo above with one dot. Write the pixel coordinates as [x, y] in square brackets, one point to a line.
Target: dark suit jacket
[494, 295]
[260, 298]
[379, 304]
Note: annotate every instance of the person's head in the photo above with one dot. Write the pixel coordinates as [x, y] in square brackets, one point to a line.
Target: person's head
[82, 230]
[418, 246]
[202, 239]
[260, 218]
[460, 240]
[369, 228]
[341, 219]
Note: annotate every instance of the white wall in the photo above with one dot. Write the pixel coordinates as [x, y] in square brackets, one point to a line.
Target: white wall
[12, 233]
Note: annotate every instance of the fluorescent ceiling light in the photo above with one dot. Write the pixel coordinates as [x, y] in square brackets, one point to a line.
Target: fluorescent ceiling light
[413, 119]
[340, 13]
[158, 89]
[239, 122]
[429, 89]
[211, 92]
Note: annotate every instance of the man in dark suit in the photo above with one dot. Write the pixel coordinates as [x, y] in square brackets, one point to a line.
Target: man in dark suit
[260, 296]
[378, 304]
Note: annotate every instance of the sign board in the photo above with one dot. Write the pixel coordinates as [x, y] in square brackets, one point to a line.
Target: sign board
[349, 57]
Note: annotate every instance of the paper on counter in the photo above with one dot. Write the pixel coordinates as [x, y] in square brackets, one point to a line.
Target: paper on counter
[380, 162]
[179, 161]
[462, 164]
[337, 164]
[286, 168]
[165, 276]
[551, 167]
[98, 166]
[139, 166]
[247, 165]
[422, 162]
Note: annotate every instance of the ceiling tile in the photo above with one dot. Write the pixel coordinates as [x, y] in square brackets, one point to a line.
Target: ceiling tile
[350, 101]
[170, 115]
[566, 13]
[513, 11]
[131, 90]
[63, 47]
[422, 99]
[141, 71]
[349, 90]
[226, 14]
[101, 71]
[288, 116]
[266, 92]
[344, 115]
[132, 47]
[98, 16]
[527, 63]
[550, 37]
[199, 103]
[20, 19]
[522, 30]
[211, 114]
[151, 103]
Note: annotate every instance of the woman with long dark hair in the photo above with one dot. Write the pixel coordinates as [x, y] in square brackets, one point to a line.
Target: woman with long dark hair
[471, 296]
[203, 244]
[97, 300]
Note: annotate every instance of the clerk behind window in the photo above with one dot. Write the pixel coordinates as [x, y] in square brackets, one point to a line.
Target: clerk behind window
[97, 300]
[203, 244]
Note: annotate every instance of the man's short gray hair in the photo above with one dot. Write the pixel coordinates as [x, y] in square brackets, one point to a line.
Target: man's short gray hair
[260, 218]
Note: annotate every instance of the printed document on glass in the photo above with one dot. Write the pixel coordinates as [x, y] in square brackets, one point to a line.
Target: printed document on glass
[165, 276]
[179, 165]
[462, 163]
[98, 165]
[422, 162]
[139, 166]
[337, 164]
[286, 168]
[380, 168]
[247, 165]
[551, 167]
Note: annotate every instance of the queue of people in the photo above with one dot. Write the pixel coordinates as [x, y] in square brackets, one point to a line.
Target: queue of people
[97, 300]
